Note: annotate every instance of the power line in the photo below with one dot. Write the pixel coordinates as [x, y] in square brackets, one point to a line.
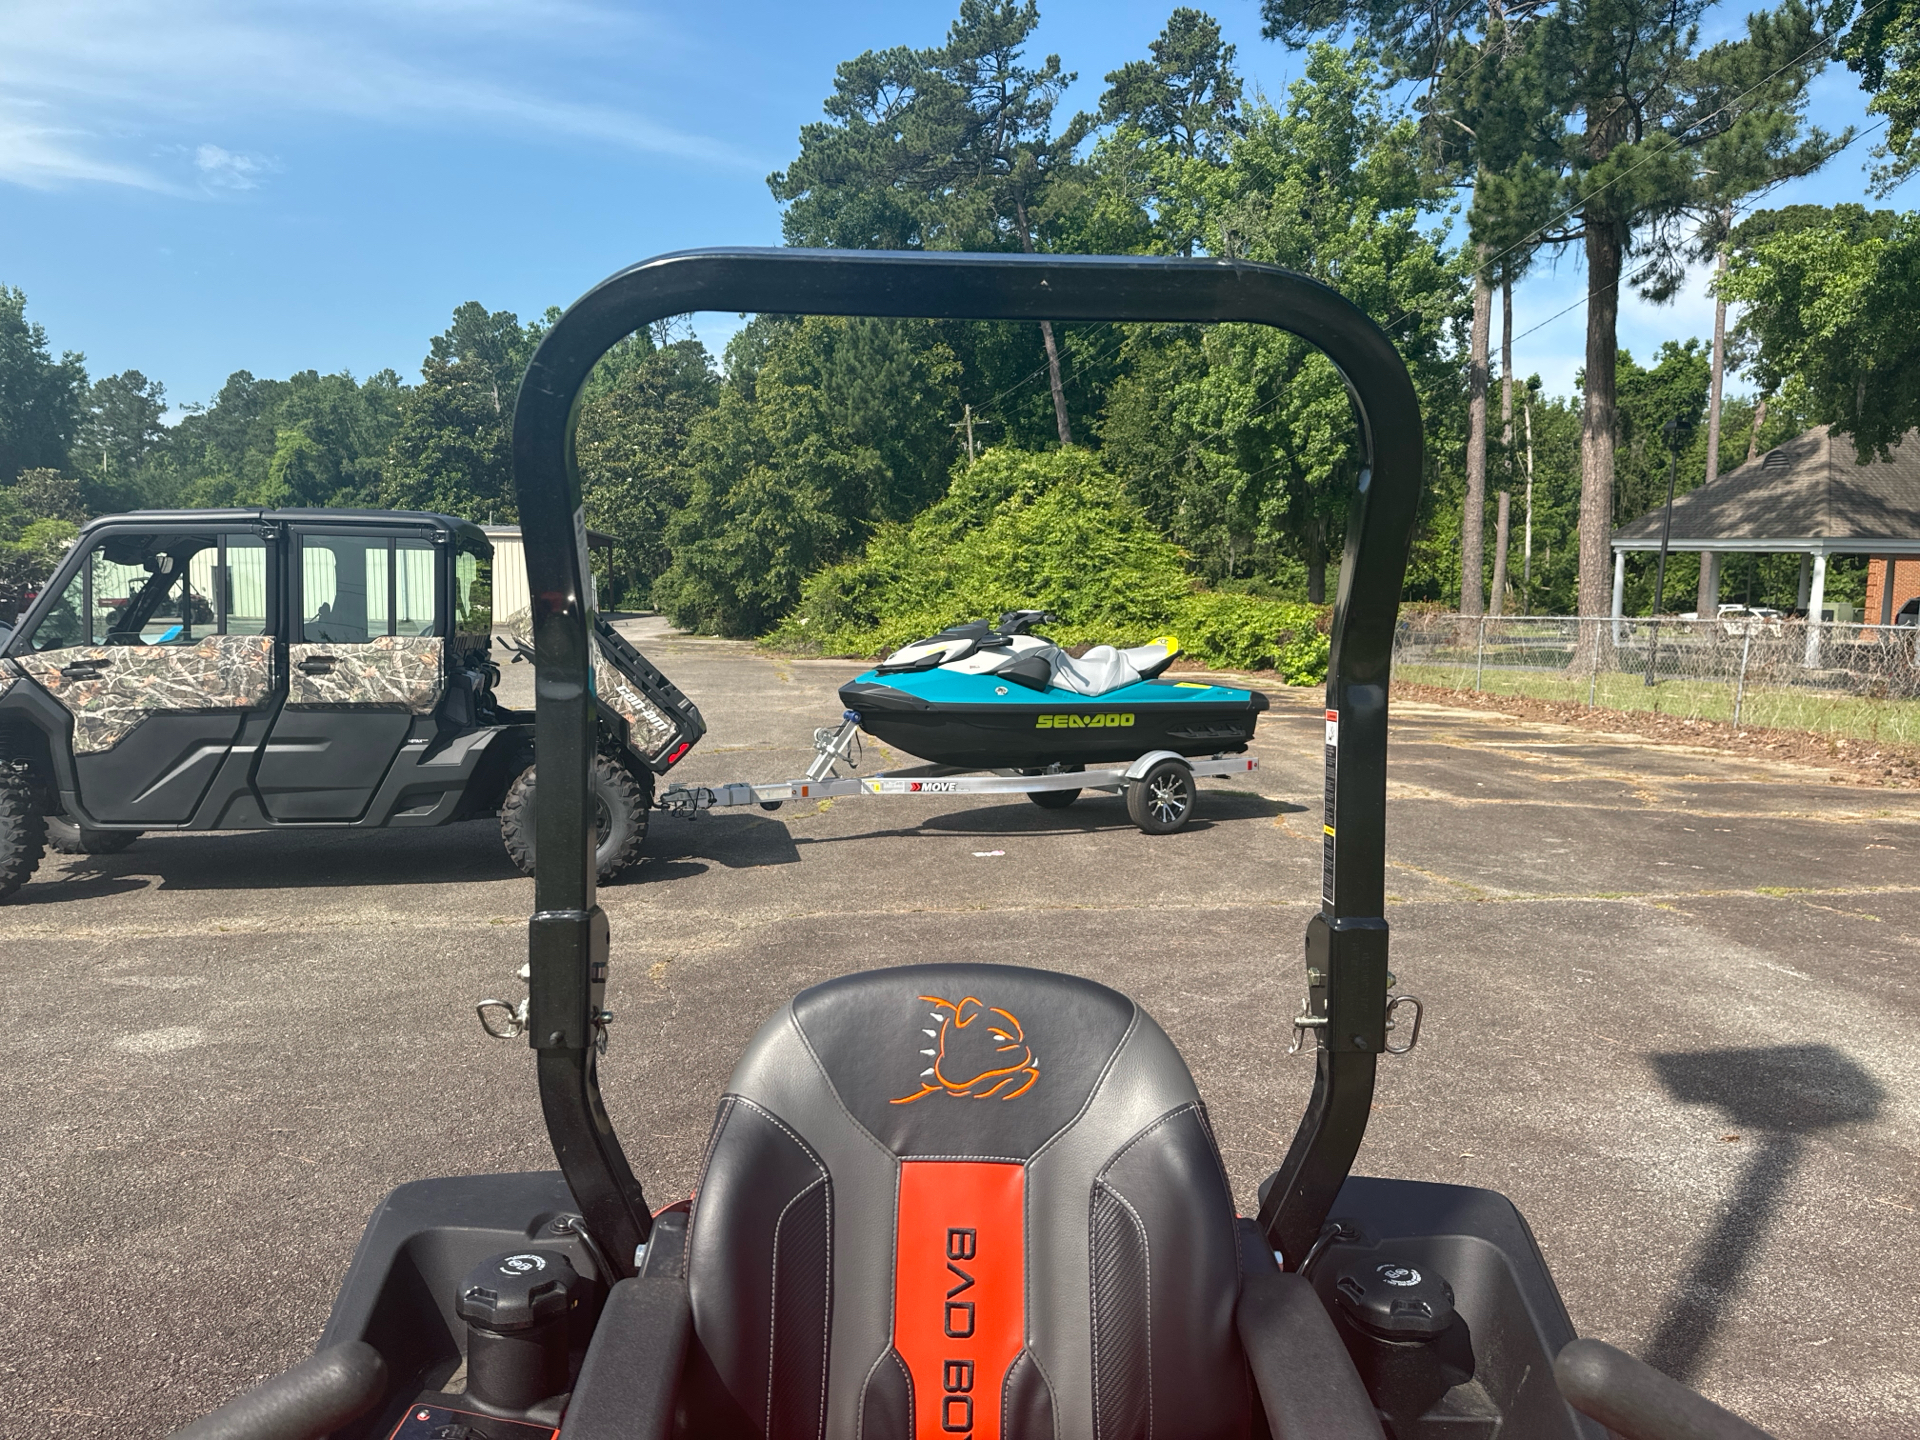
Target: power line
[1675, 141]
[1737, 210]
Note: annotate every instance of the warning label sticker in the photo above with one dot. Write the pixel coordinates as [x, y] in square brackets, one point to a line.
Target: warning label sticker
[1327, 823]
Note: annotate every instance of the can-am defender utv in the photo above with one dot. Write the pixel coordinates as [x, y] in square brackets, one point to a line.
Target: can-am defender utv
[277, 669]
[950, 1200]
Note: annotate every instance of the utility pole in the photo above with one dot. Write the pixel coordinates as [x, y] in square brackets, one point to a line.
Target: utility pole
[966, 422]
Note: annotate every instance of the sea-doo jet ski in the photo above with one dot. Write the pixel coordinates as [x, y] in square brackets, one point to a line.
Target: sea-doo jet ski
[982, 696]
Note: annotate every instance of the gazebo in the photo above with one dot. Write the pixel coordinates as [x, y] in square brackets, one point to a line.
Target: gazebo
[1809, 495]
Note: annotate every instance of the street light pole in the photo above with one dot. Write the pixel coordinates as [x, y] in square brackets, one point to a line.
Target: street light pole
[1672, 431]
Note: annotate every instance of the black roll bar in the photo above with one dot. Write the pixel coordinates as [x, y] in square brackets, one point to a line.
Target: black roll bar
[1346, 941]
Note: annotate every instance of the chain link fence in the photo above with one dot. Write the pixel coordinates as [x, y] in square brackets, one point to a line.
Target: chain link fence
[1859, 681]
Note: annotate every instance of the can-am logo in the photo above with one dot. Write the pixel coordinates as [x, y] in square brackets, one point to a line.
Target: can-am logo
[1115, 719]
[979, 1052]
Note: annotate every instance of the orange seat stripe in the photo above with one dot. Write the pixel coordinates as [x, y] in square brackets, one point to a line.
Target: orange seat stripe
[959, 1291]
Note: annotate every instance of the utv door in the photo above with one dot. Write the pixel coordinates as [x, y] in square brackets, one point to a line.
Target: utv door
[158, 643]
[364, 658]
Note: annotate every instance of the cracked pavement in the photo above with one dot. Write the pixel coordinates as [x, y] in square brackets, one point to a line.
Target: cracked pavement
[1669, 994]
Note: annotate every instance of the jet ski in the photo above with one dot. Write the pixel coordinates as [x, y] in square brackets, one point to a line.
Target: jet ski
[998, 697]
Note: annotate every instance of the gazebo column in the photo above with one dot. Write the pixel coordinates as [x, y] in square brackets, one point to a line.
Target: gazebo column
[1886, 588]
[1815, 599]
[1800, 598]
[1707, 603]
[1619, 591]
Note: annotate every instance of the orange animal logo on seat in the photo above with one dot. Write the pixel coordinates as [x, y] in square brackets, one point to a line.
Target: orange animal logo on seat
[977, 1053]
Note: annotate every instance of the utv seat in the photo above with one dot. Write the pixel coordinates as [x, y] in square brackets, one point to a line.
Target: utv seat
[949, 1200]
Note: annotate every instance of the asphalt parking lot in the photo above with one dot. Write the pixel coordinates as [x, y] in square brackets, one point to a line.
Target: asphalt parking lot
[1670, 1004]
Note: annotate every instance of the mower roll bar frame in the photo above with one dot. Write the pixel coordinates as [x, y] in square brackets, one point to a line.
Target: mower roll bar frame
[1346, 941]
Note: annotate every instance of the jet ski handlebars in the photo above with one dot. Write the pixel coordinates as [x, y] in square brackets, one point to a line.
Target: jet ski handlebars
[1346, 941]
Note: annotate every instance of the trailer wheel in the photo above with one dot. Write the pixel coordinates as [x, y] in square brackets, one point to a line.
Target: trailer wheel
[1161, 801]
[621, 804]
[22, 833]
[71, 839]
[1054, 799]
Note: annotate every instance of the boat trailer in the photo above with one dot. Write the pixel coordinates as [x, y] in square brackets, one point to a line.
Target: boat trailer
[1158, 785]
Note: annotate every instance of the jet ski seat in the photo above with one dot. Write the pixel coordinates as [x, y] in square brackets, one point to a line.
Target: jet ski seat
[967, 1200]
[1035, 663]
[1104, 668]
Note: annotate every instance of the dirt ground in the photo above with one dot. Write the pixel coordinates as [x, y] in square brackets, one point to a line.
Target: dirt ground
[1670, 996]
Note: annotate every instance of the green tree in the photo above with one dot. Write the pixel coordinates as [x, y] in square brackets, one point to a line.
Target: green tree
[41, 399]
[1660, 121]
[1174, 117]
[452, 446]
[40, 515]
[1239, 439]
[125, 421]
[825, 428]
[310, 439]
[1880, 42]
[1828, 309]
[451, 452]
[631, 450]
[1645, 122]
[951, 148]
[1671, 391]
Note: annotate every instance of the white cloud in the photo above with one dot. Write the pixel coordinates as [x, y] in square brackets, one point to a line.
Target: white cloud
[45, 156]
[224, 170]
[95, 89]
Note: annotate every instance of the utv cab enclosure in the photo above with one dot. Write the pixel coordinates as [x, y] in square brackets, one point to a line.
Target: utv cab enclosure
[273, 669]
[949, 1199]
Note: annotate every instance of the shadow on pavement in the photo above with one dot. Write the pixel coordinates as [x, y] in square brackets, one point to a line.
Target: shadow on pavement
[76, 885]
[1090, 815]
[739, 842]
[286, 860]
[1778, 1096]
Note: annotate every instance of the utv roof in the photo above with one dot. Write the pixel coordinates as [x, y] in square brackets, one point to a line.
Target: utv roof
[466, 529]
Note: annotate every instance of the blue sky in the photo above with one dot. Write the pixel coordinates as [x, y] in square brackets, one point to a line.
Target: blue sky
[201, 186]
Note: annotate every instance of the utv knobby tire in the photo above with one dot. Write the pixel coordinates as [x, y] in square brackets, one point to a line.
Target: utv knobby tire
[71, 839]
[22, 834]
[622, 802]
[1160, 802]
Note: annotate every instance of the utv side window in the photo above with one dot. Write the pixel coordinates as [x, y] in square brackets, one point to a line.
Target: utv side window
[354, 587]
[235, 576]
[413, 587]
[66, 623]
[136, 590]
[472, 592]
[161, 589]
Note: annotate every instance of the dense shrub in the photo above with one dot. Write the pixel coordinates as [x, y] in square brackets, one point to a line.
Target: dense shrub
[1053, 531]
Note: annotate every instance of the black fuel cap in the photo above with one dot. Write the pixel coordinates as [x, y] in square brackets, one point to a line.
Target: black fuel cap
[1395, 1299]
[517, 1291]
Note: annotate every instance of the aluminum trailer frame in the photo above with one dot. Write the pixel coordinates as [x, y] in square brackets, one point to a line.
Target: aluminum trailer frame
[691, 799]
[840, 746]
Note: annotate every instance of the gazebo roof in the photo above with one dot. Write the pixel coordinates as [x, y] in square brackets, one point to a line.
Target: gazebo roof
[1810, 493]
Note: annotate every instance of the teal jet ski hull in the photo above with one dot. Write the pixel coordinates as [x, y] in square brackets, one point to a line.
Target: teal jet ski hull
[987, 722]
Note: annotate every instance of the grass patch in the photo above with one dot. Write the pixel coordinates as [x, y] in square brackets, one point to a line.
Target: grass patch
[1824, 712]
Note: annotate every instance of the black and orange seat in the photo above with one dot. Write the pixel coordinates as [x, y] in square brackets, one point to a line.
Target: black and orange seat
[953, 1200]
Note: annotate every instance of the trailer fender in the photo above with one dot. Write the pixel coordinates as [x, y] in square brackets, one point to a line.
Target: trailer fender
[1138, 770]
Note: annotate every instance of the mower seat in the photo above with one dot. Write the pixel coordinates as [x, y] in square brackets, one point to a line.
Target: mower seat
[964, 1200]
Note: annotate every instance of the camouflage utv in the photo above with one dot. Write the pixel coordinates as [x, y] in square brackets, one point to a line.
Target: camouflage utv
[281, 669]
